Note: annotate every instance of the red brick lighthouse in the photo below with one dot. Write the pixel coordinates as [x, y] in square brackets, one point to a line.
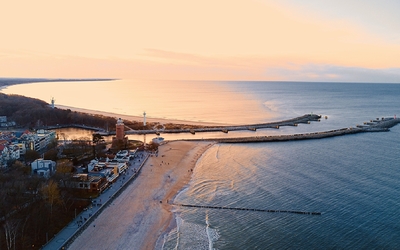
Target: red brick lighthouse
[120, 130]
[120, 141]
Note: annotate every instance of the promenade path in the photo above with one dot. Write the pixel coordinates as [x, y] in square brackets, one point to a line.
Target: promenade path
[63, 238]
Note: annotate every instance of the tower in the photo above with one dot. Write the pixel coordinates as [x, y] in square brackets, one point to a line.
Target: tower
[120, 129]
[52, 102]
[144, 118]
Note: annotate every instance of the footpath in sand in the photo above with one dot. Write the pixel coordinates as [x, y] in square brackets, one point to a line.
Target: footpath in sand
[141, 214]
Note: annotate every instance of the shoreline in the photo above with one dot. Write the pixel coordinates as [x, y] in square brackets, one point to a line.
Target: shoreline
[142, 214]
[140, 118]
[169, 205]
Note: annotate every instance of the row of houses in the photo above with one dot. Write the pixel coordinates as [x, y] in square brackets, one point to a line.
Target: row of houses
[100, 175]
[13, 145]
[6, 124]
[97, 177]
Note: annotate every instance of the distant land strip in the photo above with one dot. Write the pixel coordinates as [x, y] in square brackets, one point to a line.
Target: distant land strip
[5, 81]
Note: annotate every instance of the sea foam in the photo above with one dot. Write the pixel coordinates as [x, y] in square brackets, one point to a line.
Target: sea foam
[189, 235]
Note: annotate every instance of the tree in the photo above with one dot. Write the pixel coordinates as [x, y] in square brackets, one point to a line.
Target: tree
[51, 155]
[31, 155]
[64, 171]
[21, 167]
[153, 146]
[51, 194]
[53, 144]
[97, 138]
[11, 229]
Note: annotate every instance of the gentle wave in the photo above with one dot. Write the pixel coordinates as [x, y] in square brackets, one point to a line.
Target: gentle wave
[189, 235]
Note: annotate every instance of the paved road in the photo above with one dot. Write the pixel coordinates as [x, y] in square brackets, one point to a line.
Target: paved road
[98, 203]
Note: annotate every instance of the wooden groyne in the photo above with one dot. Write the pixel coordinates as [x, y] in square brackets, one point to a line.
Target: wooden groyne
[376, 126]
[251, 209]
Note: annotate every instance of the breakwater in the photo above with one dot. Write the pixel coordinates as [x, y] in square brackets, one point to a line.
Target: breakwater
[382, 125]
[251, 209]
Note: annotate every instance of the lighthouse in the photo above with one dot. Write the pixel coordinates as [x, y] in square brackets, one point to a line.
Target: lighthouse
[144, 118]
[120, 141]
[52, 102]
[120, 129]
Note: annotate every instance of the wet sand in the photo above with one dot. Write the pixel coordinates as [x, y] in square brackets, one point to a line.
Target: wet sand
[141, 214]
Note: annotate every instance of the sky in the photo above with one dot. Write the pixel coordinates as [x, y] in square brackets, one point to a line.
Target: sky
[285, 40]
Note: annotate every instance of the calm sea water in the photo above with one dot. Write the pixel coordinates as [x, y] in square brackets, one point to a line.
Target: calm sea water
[353, 180]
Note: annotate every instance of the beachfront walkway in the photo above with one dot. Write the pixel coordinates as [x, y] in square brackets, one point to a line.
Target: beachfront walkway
[82, 220]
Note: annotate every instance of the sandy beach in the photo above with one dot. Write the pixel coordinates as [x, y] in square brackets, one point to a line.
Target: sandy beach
[139, 118]
[142, 213]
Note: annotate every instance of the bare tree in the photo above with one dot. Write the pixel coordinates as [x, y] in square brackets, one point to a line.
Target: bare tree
[11, 229]
[64, 172]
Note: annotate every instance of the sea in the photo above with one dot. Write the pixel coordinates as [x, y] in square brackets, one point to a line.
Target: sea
[352, 180]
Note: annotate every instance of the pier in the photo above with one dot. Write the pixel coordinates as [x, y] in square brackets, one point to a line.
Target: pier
[81, 126]
[374, 126]
[251, 209]
[305, 119]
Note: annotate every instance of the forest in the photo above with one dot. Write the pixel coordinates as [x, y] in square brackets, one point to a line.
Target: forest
[33, 113]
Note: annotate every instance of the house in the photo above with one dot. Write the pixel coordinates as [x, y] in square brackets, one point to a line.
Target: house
[118, 167]
[22, 148]
[122, 156]
[90, 182]
[110, 169]
[43, 168]
[37, 141]
[9, 152]
[3, 163]
[45, 137]
[4, 123]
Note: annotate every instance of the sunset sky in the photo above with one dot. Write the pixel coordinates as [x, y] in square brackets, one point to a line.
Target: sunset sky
[288, 40]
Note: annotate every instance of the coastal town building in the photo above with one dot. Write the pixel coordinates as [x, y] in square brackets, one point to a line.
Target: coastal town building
[114, 166]
[37, 141]
[93, 183]
[98, 175]
[122, 156]
[13, 145]
[4, 123]
[11, 152]
[43, 168]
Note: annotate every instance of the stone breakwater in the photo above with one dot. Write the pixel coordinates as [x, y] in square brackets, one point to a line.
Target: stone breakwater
[382, 125]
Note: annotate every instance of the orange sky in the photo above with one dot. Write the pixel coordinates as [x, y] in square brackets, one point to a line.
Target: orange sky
[202, 40]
